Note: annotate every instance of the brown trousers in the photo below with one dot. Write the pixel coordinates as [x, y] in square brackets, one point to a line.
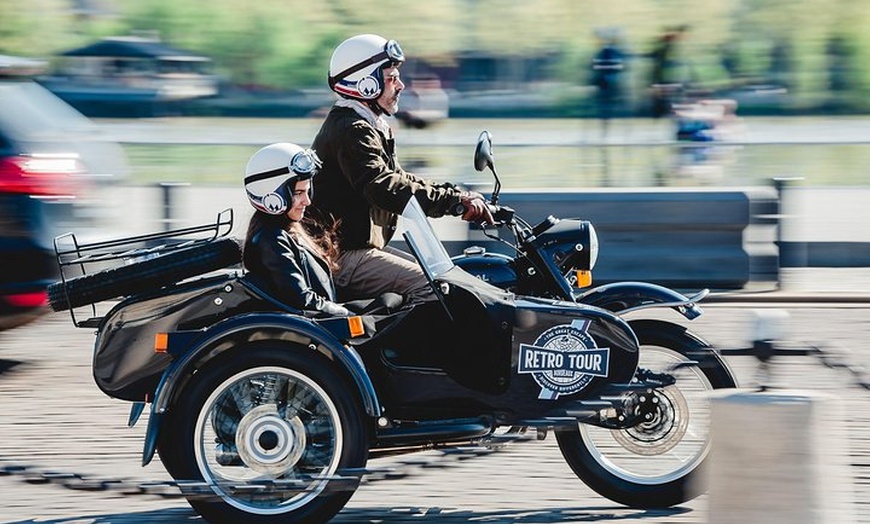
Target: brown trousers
[367, 273]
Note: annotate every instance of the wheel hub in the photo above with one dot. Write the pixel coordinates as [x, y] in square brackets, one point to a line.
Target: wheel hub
[665, 419]
[268, 443]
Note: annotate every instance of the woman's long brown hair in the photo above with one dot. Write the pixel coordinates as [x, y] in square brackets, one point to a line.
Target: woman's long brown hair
[322, 239]
[315, 235]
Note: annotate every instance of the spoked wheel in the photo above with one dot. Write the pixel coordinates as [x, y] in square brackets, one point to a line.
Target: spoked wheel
[656, 463]
[269, 430]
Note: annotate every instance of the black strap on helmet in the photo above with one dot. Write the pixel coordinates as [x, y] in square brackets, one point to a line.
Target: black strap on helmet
[391, 51]
[266, 174]
[304, 165]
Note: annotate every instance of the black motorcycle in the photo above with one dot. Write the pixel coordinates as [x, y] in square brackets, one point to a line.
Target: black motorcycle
[276, 411]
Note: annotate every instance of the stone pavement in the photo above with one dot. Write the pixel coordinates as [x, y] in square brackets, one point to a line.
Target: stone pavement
[53, 416]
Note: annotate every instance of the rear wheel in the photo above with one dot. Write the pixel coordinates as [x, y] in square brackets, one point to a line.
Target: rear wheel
[270, 430]
[659, 462]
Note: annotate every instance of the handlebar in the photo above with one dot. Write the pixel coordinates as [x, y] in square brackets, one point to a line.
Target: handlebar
[501, 214]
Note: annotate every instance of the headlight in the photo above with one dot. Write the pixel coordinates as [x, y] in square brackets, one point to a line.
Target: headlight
[572, 244]
[593, 245]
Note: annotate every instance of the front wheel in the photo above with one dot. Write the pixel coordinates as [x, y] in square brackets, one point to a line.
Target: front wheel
[658, 463]
[269, 429]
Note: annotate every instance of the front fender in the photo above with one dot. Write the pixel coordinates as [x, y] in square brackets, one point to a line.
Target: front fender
[203, 347]
[624, 297]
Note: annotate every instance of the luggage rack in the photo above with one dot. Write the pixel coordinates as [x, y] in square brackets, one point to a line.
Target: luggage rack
[77, 259]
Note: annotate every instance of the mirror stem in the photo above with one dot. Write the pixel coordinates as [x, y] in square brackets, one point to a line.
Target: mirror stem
[497, 188]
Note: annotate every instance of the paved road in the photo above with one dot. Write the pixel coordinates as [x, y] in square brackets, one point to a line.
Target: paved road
[53, 416]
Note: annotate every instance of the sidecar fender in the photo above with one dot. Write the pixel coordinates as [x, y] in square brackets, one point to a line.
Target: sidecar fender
[624, 297]
[201, 346]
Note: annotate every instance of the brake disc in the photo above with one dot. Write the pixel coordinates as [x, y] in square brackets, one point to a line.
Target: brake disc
[663, 427]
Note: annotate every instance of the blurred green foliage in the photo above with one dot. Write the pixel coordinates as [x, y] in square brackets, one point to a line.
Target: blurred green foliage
[820, 49]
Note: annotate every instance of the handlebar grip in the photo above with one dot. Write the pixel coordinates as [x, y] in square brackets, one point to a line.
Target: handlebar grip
[499, 213]
[457, 210]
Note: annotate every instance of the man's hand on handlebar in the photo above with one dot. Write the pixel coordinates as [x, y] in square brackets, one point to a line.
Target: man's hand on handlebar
[476, 209]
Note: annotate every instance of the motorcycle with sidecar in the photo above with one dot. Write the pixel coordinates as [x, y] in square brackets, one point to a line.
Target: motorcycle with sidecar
[277, 410]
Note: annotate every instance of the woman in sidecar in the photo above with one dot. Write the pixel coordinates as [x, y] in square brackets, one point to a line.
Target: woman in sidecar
[279, 252]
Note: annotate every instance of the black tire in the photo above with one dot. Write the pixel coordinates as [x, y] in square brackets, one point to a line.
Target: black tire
[215, 432]
[593, 453]
[144, 276]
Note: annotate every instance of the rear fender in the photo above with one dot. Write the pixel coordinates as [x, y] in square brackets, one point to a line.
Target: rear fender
[625, 297]
[194, 349]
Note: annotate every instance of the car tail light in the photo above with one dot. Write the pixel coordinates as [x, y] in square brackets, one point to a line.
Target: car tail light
[40, 175]
[27, 300]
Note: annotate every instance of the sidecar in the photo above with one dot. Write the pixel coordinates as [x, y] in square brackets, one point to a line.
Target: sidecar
[278, 410]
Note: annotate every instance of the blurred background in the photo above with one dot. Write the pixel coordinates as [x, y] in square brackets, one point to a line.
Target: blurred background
[123, 116]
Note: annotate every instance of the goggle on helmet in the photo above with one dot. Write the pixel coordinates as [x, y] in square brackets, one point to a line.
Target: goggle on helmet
[365, 54]
[272, 173]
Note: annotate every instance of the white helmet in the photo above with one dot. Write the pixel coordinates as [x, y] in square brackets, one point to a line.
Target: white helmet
[356, 68]
[273, 171]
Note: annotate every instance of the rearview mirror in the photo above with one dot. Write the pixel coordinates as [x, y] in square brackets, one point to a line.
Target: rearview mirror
[483, 152]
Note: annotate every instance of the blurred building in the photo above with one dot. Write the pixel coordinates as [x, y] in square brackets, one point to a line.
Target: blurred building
[130, 76]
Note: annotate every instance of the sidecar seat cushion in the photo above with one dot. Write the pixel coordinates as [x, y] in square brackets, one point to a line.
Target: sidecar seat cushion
[384, 304]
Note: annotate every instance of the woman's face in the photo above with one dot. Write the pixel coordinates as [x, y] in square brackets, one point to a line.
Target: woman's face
[300, 200]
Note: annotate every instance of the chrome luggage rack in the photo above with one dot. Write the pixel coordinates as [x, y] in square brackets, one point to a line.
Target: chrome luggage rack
[75, 259]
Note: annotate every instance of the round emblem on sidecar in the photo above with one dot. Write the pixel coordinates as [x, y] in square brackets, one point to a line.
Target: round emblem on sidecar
[564, 359]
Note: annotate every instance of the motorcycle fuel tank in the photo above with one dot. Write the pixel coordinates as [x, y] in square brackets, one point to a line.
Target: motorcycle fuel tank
[494, 268]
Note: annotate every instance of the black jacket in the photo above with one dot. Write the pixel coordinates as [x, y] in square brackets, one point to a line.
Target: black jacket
[362, 185]
[289, 270]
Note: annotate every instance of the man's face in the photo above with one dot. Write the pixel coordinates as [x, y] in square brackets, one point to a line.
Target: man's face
[389, 99]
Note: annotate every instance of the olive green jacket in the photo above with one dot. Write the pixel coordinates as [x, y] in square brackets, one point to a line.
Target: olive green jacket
[362, 185]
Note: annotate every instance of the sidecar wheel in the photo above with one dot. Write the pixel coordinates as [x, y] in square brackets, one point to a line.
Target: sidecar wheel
[270, 430]
[658, 464]
[145, 275]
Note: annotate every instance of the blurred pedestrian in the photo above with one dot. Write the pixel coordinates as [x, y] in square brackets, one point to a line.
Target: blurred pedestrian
[607, 68]
[362, 187]
[666, 79]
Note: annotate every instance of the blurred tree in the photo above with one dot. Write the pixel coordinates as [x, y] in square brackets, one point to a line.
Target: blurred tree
[287, 44]
[35, 28]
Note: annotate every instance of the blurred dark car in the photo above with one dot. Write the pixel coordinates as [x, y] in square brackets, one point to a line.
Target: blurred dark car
[53, 161]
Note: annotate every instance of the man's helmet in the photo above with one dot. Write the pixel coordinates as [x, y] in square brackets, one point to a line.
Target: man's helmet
[356, 68]
[272, 173]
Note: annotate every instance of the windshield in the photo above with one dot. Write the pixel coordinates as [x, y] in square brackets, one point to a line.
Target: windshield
[422, 240]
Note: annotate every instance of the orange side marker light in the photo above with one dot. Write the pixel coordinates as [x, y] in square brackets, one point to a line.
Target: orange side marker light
[161, 342]
[356, 326]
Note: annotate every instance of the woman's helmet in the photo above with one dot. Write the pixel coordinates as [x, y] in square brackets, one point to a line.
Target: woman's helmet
[356, 68]
[272, 173]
